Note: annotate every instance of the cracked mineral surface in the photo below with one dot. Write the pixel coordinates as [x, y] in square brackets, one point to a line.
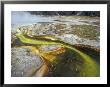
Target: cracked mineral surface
[70, 29]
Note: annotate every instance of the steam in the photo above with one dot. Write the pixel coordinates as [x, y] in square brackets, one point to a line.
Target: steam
[20, 18]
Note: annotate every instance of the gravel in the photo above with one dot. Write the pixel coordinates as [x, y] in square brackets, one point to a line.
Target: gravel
[23, 62]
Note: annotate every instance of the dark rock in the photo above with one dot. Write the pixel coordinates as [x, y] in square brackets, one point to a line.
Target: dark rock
[66, 13]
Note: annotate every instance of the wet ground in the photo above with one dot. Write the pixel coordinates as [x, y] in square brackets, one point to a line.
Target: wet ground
[74, 30]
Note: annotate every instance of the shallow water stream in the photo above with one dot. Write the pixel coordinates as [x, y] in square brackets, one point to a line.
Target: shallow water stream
[69, 29]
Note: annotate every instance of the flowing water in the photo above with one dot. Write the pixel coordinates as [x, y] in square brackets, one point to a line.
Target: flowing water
[68, 63]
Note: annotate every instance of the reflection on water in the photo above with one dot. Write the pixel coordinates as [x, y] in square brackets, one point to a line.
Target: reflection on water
[67, 62]
[71, 65]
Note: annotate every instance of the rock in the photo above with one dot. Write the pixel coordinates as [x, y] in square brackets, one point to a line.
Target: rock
[66, 13]
[23, 62]
[50, 48]
[74, 39]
